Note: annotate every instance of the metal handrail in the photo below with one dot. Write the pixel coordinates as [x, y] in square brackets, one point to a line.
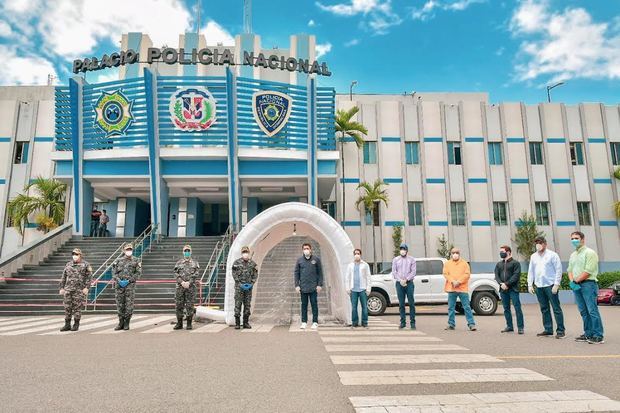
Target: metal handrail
[105, 267]
[214, 261]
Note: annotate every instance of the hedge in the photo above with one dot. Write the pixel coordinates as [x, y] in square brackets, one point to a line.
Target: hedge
[605, 280]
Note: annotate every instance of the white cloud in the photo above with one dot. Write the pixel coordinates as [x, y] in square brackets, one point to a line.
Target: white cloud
[107, 75]
[216, 34]
[378, 15]
[323, 49]
[311, 23]
[563, 45]
[427, 11]
[23, 70]
[352, 42]
[5, 29]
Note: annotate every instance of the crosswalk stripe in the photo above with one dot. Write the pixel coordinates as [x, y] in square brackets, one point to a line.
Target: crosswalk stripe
[211, 328]
[370, 339]
[385, 377]
[355, 348]
[539, 401]
[260, 328]
[107, 321]
[17, 320]
[162, 329]
[140, 324]
[19, 326]
[363, 332]
[342, 328]
[414, 359]
[52, 327]
[295, 329]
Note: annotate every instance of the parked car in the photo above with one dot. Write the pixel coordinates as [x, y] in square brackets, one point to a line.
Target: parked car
[609, 295]
[429, 289]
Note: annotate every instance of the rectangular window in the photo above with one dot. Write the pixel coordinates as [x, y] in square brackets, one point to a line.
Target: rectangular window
[369, 216]
[454, 153]
[536, 156]
[495, 153]
[370, 152]
[415, 213]
[542, 213]
[458, 213]
[500, 214]
[576, 153]
[412, 153]
[330, 208]
[21, 153]
[615, 153]
[583, 211]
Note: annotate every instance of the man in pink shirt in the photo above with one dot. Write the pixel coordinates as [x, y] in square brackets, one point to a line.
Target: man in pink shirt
[403, 271]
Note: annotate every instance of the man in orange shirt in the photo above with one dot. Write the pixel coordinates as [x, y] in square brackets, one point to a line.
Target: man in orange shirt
[456, 272]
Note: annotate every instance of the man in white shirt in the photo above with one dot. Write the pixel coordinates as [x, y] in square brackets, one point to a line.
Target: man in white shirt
[358, 287]
[545, 273]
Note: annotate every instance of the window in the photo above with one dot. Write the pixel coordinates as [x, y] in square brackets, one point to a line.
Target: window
[499, 213]
[458, 213]
[615, 153]
[583, 211]
[21, 153]
[422, 268]
[370, 152]
[542, 213]
[536, 156]
[495, 153]
[412, 153]
[435, 267]
[369, 217]
[330, 208]
[415, 213]
[454, 153]
[576, 153]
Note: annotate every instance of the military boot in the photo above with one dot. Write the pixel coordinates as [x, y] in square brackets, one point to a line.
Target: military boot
[126, 323]
[246, 322]
[179, 324]
[189, 323]
[237, 322]
[121, 322]
[76, 324]
[67, 325]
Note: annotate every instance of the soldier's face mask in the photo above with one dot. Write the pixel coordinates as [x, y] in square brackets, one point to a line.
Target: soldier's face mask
[245, 255]
[307, 252]
[129, 253]
[187, 253]
[76, 257]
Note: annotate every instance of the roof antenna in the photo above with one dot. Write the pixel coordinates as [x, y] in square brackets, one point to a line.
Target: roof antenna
[247, 16]
[198, 7]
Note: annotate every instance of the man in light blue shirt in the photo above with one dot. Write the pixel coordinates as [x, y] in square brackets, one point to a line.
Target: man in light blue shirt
[358, 284]
[545, 272]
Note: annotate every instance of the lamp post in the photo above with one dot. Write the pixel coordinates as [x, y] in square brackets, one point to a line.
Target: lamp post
[351, 90]
[549, 90]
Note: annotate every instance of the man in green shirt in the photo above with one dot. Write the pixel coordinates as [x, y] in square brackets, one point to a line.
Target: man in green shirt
[583, 272]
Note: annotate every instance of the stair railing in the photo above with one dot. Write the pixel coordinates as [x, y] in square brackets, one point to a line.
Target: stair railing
[212, 269]
[103, 275]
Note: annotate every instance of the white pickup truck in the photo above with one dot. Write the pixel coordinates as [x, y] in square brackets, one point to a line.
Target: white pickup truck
[429, 289]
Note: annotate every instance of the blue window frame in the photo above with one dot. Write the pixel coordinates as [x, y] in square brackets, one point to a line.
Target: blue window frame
[412, 153]
[495, 153]
[370, 152]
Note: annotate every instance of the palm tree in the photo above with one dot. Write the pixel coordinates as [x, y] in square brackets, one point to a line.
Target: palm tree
[48, 201]
[371, 200]
[617, 204]
[348, 128]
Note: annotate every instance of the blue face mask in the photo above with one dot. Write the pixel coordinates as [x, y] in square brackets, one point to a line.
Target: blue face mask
[187, 254]
[576, 243]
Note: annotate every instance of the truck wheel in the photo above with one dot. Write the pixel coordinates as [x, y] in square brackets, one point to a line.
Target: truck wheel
[484, 303]
[376, 303]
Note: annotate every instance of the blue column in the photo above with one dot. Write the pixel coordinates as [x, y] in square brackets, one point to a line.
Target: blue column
[234, 210]
[312, 144]
[82, 191]
[159, 190]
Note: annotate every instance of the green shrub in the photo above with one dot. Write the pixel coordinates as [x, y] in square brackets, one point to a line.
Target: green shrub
[605, 280]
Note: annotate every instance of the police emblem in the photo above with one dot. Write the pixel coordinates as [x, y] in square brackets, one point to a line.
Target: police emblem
[192, 109]
[271, 111]
[113, 113]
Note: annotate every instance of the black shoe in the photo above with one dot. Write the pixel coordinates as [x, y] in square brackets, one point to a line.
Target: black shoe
[246, 322]
[520, 331]
[413, 326]
[582, 338]
[544, 334]
[596, 340]
[507, 330]
[472, 327]
[449, 327]
[126, 323]
[121, 323]
[364, 325]
[402, 326]
[67, 325]
[560, 335]
[237, 323]
[179, 324]
[76, 325]
[189, 323]
[355, 325]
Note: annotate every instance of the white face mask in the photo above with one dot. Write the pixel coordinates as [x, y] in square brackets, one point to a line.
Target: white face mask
[307, 253]
[129, 253]
[539, 247]
[245, 255]
[455, 256]
[357, 257]
[76, 258]
[403, 253]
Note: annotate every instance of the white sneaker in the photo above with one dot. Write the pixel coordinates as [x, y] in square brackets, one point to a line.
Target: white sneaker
[314, 326]
[303, 326]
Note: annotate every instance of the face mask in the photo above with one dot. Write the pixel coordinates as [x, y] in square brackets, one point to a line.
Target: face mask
[403, 253]
[187, 254]
[129, 253]
[455, 257]
[307, 253]
[539, 247]
[76, 258]
[357, 257]
[576, 243]
[245, 255]
[503, 255]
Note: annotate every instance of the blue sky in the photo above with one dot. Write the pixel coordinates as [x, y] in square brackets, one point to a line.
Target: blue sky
[509, 48]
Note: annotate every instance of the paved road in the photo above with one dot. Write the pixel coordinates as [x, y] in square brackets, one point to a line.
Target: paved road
[152, 368]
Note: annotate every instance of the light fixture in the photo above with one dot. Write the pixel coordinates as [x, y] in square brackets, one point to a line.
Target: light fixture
[294, 230]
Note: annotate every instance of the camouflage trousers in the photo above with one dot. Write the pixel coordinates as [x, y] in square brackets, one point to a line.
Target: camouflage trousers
[245, 298]
[124, 300]
[184, 300]
[73, 302]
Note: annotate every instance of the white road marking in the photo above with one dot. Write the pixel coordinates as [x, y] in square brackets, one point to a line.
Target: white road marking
[415, 359]
[106, 323]
[367, 339]
[374, 348]
[52, 327]
[210, 328]
[140, 324]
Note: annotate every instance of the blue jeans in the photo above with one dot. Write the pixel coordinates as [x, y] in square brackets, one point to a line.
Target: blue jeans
[585, 298]
[507, 297]
[94, 228]
[304, 307]
[464, 298]
[362, 297]
[401, 292]
[545, 297]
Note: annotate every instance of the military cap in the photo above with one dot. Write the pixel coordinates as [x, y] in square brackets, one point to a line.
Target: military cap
[127, 246]
[76, 251]
[187, 247]
[245, 249]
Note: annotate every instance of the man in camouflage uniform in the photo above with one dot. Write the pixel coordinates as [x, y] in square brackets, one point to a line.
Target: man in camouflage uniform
[126, 270]
[245, 273]
[186, 271]
[74, 285]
